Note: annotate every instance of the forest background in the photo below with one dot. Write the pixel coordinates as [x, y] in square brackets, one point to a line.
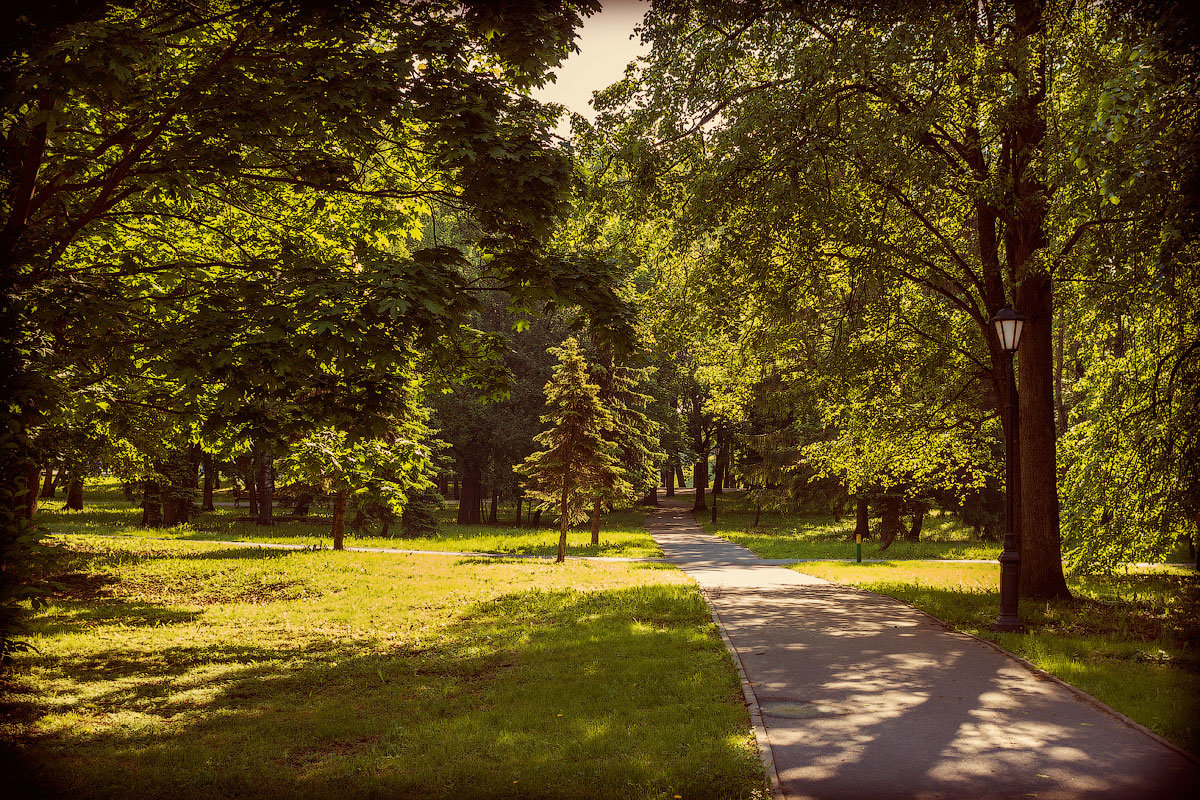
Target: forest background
[331, 248]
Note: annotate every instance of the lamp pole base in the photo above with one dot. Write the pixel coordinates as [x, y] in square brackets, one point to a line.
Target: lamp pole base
[1005, 624]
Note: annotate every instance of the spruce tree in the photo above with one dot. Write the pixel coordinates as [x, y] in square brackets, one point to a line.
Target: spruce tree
[576, 462]
[634, 434]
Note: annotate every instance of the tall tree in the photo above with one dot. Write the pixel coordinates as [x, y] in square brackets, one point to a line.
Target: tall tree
[576, 461]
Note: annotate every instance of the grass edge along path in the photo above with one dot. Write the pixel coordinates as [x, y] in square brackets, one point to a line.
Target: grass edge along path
[1136, 654]
[191, 670]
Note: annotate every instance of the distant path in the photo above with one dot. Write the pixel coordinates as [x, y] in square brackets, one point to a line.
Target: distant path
[862, 697]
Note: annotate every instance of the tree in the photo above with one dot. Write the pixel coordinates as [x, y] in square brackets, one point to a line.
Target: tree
[576, 462]
[964, 151]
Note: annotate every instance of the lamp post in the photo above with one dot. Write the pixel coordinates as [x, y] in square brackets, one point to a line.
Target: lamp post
[1008, 325]
[717, 456]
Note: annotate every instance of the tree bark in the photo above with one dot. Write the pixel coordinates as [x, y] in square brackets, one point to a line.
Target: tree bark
[918, 521]
[206, 500]
[537, 519]
[29, 503]
[889, 525]
[470, 491]
[494, 507]
[75, 494]
[700, 479]
[563, 523]
[669, 480]
[862, 517]
[152, 516]
[48, 485]
[264, 480]
[338, 528]
[679, 477]
[1039, 540]
[596, 522]
[520, 500]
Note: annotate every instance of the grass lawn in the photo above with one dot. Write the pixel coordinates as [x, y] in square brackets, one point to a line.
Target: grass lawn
[107, 512]
[1130, 640]
[790, 535]
[186, 669]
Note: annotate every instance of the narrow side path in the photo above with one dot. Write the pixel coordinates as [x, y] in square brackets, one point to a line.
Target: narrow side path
[862, 696]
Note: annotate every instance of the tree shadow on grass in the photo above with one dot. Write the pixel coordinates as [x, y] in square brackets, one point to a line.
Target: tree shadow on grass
[618, 693]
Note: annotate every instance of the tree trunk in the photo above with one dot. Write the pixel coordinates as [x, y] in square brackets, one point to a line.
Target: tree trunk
[520, 500]
[75, 494]
[1039, 541]
[264, 481]
[206, 501]
[492, 509]
[862, 517]
[700, 479]
[889, 526]
[360, 520]
[757, 514]
[455, 494]
[537, 519]
[918, 521]
[29, 502]
[679, 477]
[470, 495]
[303, 503]
[48, 485]
[152, 516]
[563, 523]
[669, 480]
[338, 528]
[596, 522]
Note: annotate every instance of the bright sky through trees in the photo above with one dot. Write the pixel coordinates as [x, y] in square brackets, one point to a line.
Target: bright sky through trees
[605, 49]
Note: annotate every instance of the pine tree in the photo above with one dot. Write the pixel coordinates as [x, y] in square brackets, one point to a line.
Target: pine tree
[576, 462]
[633, 433]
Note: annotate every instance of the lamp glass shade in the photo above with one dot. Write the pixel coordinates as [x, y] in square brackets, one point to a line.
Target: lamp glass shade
[1008, 328]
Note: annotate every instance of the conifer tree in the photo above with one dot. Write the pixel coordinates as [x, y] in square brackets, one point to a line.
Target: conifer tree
[634, 434]
[575, 462]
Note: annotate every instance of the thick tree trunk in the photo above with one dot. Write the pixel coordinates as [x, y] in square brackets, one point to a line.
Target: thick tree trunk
[862, 517]
[264, 481]
[1040, 543]
[669, 480]
[918, 520]
[338, 528]
[564, 522]
[206, 500]
[28, 505]
[152, 516]
[700, 479]
[75, 494]
[596, 522]
[889, 525]
[48, 485]
[679, 476]
[469, 497]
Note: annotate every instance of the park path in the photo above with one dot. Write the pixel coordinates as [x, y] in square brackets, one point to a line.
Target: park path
[862, 697]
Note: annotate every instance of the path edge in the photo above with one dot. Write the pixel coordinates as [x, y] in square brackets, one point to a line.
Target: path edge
[756, 718]
[1091, 700]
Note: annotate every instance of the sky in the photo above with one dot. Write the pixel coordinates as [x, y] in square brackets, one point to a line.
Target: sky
[605, 49]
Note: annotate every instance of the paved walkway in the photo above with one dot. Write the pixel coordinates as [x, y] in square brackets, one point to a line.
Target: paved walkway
[864, 698]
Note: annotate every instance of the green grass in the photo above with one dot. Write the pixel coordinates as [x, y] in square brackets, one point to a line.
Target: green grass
[792, 535]
[106, 512]
[190, 670]
[1129, 640]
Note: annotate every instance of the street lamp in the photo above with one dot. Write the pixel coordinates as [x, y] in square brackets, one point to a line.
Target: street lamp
[1008, 325]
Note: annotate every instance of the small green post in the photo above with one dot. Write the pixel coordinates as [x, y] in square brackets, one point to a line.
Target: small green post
[858, 547]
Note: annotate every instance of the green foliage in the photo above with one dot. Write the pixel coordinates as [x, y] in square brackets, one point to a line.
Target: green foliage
[576, 462]
[420, 515]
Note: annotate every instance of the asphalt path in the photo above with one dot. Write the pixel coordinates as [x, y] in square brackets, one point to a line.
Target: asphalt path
[855, 695]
